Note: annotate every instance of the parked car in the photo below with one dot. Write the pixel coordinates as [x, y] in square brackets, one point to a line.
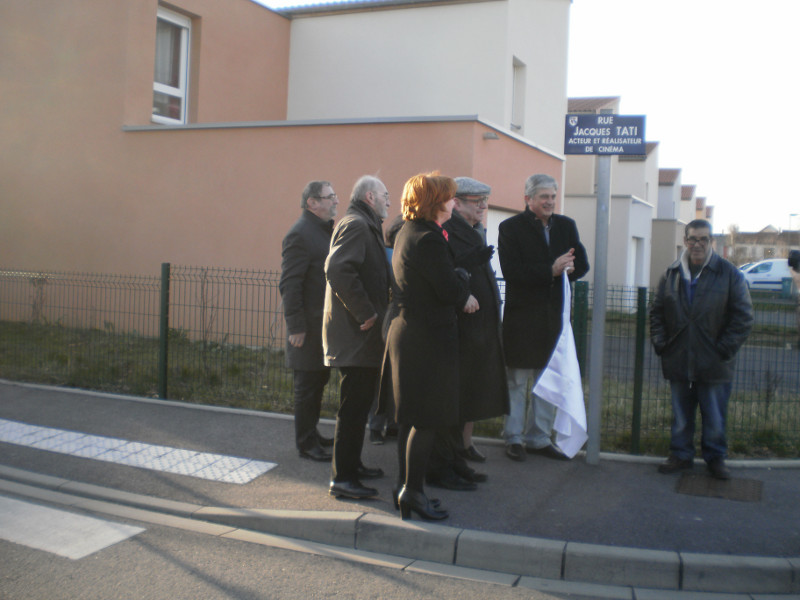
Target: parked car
[767, 274]
[745, 266]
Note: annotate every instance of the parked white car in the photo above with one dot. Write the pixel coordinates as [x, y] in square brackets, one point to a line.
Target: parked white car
[767, 274]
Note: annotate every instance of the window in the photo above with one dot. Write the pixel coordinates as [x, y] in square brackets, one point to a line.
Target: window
[170, 83]
[518, 96]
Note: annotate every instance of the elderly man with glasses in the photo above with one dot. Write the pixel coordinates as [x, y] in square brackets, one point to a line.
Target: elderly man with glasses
[302, 287]
[483, 393]
[701, 316]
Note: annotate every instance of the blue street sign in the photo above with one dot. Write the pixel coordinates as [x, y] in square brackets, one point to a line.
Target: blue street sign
[604, 134]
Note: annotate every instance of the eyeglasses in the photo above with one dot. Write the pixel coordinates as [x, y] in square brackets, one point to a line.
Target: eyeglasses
[328, 197]
[481, 201]
[692, 241]
[384, 195]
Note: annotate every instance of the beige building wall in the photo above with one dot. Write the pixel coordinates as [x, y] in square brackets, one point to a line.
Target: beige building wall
[667, 247]
[435, 60]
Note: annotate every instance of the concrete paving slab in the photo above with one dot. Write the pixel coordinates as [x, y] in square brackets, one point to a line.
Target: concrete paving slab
[415, 539]
[577, 589]
[622, 566]
[478, 575]
[720, 573]
[325, 527]
[642, 594]
[506, 553]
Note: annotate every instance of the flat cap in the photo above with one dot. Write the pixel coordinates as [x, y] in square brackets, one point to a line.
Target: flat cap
[471, 187]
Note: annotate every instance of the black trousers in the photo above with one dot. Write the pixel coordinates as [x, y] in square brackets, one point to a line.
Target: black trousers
[308, 389]
[445, 457]
[358, 389]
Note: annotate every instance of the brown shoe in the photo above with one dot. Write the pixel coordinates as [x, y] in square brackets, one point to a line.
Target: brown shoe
[548, 451]
[716, 466]
[673, 464]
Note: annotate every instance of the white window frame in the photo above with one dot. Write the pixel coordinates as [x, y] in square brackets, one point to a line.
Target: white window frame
[182, 91]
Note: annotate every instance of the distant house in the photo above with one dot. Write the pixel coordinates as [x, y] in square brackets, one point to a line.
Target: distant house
[140, 132]
[748, 247]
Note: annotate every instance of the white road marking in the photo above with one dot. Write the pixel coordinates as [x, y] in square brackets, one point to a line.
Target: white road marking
[58, 531]
[204, 465]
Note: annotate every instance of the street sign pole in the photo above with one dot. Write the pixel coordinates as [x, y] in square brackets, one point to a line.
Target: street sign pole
[598, 309]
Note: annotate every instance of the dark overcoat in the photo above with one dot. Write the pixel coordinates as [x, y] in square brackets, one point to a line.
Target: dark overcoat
[422, 343]
[302, 288]
[699, 341]
[358, 284]
[534, 298]
[482, 371]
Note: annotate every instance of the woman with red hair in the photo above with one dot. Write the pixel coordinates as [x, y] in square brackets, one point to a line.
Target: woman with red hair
[422, 343]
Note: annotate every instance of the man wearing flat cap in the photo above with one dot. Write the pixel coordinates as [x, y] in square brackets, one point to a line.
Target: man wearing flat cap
[482, 376]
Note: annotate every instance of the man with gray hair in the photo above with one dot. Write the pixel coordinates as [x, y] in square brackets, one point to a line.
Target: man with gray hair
[356, 298]
[302, 288]
[535, 248]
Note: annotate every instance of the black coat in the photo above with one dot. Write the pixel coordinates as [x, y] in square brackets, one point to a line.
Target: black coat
[302, 287]
[699, 342]
[534, 298]
[359, 280]
[422, 343]
[482, 371]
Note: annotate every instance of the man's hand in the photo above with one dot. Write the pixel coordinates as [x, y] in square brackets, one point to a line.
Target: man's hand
[565, 262]
[297, 339]
[472, 305]
[366, 325]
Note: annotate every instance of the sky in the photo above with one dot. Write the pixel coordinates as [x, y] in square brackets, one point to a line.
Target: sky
[714, 79]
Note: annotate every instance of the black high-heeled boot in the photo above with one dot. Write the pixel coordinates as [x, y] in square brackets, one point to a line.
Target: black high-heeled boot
[435, 502]
[409, 500]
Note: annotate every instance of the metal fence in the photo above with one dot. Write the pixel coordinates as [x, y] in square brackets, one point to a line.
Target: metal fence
[216, 336]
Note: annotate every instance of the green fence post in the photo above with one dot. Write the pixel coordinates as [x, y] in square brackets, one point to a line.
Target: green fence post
[163, 332]
[638, 369]
[580, 321]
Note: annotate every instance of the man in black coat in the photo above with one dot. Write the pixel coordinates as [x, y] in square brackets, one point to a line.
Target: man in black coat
[356, 298]
[302, 287]
[483, 393]
[535, 248]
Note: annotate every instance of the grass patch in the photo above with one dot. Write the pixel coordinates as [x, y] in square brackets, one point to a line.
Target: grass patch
[760, 423]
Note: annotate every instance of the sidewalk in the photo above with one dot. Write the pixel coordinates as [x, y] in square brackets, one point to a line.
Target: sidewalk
[617, 523]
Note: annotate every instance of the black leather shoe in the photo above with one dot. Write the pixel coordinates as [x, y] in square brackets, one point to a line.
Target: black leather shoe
[472, 454]
[471, 475]
[717, 468]
[376, 437]
[409, 500]
[351, 489]
[515, 452]
[325, 442]
[435, 502]
[317, 453]
[451, 481]
[673, 464]
[367, 473]
[549, 451]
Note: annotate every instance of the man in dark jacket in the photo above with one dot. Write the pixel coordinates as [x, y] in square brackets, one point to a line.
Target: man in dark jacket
[356, 297]
[483, 393]
[535, 248]
[302, 288]
[701, 316]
